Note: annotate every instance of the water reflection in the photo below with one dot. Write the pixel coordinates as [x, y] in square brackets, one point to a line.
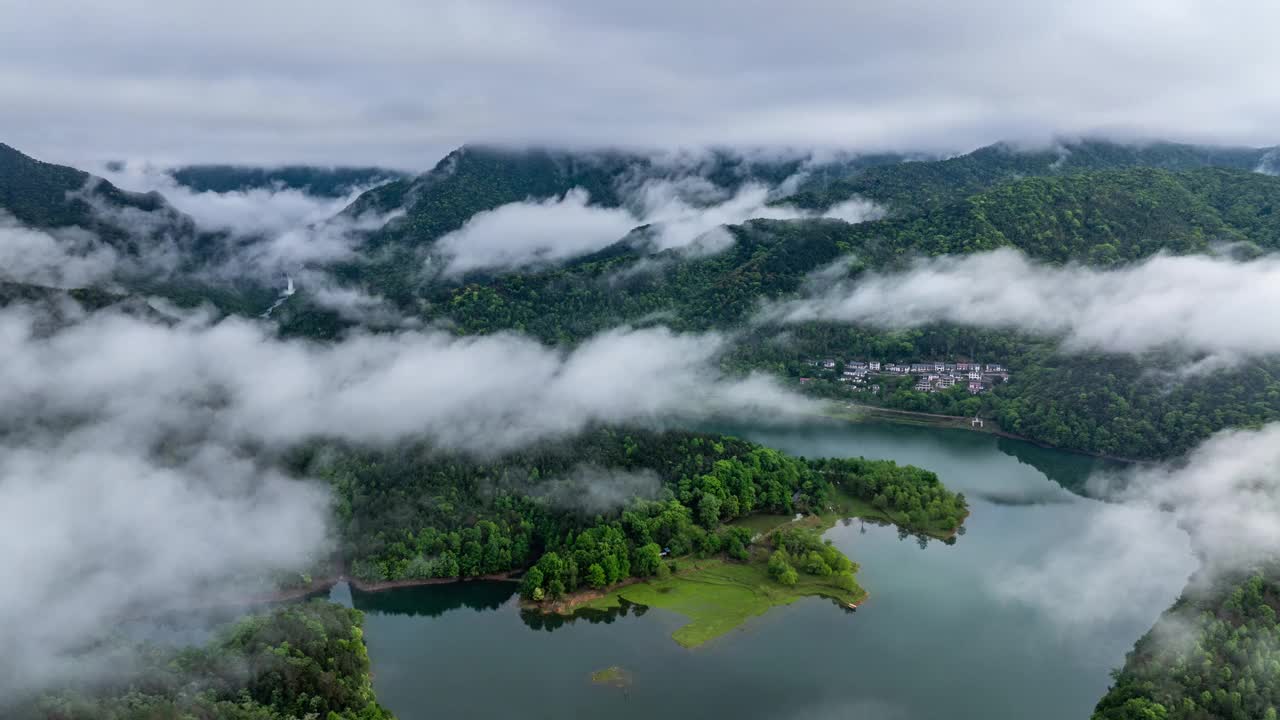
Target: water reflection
[536, 620]
[435, 600]
[1070, 470]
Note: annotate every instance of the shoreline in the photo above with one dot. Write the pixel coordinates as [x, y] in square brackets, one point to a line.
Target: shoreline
[959, 423]
[325, 584]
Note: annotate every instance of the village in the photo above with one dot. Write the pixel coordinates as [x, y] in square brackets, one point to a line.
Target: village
[930, 376]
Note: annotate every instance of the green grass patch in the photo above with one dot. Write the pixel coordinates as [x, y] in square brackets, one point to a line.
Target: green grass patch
[718, 596]
[612, 675]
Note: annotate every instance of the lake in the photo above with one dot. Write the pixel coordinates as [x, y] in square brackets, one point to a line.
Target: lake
[1007, 622]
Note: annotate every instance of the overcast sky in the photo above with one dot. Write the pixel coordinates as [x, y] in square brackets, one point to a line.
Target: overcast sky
[401, 82]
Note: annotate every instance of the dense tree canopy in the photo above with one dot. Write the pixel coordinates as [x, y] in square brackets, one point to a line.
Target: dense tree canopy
[297, 661]
[421, 513]
[1214, 655]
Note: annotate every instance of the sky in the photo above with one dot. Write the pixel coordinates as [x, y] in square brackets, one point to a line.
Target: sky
[399, 83]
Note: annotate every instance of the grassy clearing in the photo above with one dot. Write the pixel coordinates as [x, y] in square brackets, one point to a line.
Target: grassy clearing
[718, 596]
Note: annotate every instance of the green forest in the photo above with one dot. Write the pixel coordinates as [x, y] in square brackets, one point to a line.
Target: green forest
[420, 513]
[1214, 655]
[303, 660]
[1096, 203]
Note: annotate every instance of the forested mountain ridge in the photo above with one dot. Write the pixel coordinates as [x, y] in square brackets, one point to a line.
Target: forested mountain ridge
[917, 186]
[47, 196]
[475, 178]
[330, 182]
[1101, 218]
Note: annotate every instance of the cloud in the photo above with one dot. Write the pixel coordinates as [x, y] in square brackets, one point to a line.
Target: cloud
[256, 211]
[1127, 561]
[480, 394]
[1224, 501]
[678, 220]
[400, 84]
[107, 531]
[855, 210]
[1199, 304]
[1226, 494]
[688, 213]
[533, 232]
[590, 489]
[135, 456]
[272, 230]
[65, 258]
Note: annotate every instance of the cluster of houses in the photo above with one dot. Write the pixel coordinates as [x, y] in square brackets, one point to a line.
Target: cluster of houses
[930, 376]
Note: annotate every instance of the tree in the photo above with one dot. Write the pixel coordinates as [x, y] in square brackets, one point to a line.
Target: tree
[532, 584]
[648, 559]
[595, 576]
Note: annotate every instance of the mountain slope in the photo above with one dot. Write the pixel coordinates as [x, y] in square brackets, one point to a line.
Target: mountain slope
[47, 196]
[918, 186]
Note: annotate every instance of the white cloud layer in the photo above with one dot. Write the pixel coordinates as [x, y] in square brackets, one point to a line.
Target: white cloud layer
[1198, 303]
[1225, 499]
[266, 211]
[67, 258]
[688, 213]
[126, 485]
[533, 232]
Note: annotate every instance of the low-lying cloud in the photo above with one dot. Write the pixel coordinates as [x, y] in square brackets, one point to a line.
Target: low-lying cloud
[533, 233]
[591, 489]
[65, 258]
[688, 213]
[1200, 304]
[1225, 499]
[254, 211]
[134, 471]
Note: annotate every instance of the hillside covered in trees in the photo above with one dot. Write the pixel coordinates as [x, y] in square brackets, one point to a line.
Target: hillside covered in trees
[297, 661]
[595, 510]
[1214, 655]
[1096, 203]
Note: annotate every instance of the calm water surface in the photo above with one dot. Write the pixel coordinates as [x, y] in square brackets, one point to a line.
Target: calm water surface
[936, 640]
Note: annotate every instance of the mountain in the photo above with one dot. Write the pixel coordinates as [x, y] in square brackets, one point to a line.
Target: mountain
[1051, 205]
[917, 186]
[475, 178]
[330, 182]
[46, 196]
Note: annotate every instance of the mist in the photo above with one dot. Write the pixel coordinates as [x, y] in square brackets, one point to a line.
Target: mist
[66, 258]
[590, 489]
[243, 212]
[1215, 513]
[688, 213]
[134, 455]
[1199, 304]
[269, 230]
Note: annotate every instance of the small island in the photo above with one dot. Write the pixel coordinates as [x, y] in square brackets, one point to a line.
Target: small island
[726, 572]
